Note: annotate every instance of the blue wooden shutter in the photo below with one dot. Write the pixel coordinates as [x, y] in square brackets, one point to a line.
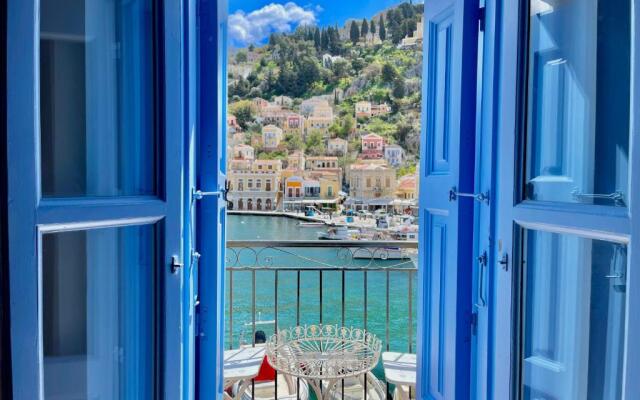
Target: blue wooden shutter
[211, 210]
[449, 92]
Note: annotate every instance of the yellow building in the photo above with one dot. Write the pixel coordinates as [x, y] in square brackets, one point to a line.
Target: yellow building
[369, 181]
[271, 137]
[407, 188]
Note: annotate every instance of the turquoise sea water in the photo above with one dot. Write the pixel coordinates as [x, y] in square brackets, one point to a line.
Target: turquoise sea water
[241, 227]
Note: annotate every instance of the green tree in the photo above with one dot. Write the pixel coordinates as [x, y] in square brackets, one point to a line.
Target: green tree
[389, 73]
[372, 26]
[315, 144]
[358, 65]
[383, 29]
[364, 28]
[403, 130]
[324, 40]
[347, 126]
[399, 88]
[293, 142]
[354, 34]
[316, 39]
[241, 56]
[244, 111]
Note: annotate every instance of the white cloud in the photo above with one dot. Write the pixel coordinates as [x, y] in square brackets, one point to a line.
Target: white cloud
[259, 24]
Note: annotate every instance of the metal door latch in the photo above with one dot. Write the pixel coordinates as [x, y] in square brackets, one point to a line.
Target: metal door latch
[223, 193]
[480, 197]
[504, 261]
[175, 264]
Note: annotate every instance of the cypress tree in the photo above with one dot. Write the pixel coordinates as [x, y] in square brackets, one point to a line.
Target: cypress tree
[355, 32]
[324, 39]
[364, 30]
[373, 27]
[383, 30]
[316, 39]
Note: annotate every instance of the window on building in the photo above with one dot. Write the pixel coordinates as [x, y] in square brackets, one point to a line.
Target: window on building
[240, 185]
[368, 182]
[258, 183]
[250, 183]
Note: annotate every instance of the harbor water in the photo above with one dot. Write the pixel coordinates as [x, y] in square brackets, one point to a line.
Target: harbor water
[371, 313]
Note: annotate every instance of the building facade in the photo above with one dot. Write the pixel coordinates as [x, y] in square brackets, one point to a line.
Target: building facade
[394, 154]
[271, 137]
[372, 146]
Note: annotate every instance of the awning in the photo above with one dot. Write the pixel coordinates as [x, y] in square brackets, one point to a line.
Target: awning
[316, 201]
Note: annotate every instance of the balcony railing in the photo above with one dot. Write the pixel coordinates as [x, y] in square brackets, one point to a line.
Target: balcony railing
[274, 285]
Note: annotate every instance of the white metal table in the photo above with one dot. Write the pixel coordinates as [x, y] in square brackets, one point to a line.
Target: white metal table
[400, 370]
[241, 365]
[323, 353]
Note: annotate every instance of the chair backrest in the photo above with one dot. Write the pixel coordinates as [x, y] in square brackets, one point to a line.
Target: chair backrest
[267, 373]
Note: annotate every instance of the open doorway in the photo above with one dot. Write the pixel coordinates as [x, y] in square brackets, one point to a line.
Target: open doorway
[323, 158]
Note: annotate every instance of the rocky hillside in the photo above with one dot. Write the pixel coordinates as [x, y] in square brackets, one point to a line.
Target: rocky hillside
[371, 59]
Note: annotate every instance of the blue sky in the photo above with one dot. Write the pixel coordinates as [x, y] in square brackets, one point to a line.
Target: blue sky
[251, 21]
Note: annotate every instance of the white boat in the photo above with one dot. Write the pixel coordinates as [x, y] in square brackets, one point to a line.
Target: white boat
[336, 233]
[383, 253]
[310, 224]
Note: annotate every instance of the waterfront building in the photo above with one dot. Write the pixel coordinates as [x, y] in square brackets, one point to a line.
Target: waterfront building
[394, 154]
[337, 147]
[260, 104]
[371, 185]
[256, 187]
[372, 146]
[243, 152]
[271, 137]
[270, 110]
[321, 162]
[407, 188]
[274, 116]
[317, 123]
[296, 161]
[311, 189]
[363, 109]
[380, 109]
[294, 188]
[307, 107]
[294, 124]
[232, 125]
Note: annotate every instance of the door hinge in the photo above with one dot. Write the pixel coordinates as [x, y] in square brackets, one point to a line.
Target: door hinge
[481, 18]
[474, 323]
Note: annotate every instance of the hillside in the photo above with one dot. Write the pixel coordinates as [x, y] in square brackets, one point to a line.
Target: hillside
[371, 60]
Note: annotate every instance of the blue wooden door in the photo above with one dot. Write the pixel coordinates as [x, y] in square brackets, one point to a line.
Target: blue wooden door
[211, 210]
[484, 213]
[446, 218]
[95, 167]
[567, 280]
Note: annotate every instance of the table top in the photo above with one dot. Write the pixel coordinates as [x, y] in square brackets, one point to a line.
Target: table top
[323, 351]
[399, 368]
[243, 363]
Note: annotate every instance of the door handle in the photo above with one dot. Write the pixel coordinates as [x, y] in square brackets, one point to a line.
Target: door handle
[480, 197]
[483, 260]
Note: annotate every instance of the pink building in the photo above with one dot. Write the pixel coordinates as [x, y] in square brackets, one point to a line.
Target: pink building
[372, 146]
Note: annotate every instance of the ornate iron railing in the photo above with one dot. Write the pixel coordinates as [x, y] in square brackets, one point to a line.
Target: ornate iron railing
[280, 272]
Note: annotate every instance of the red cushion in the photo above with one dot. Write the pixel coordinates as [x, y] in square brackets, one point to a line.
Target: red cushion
[267, 373]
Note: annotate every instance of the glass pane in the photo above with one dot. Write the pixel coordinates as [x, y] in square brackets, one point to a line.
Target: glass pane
[98, 313]
[97, 98]
[574, 294]
[579, 101]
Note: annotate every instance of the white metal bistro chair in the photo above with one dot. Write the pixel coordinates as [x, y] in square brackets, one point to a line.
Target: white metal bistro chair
[400, 370]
